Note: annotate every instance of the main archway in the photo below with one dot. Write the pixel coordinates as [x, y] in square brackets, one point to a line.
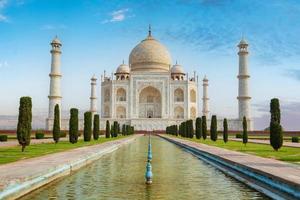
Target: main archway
[150, 103]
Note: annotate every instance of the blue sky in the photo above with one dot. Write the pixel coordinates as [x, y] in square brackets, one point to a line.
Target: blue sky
[200, 34]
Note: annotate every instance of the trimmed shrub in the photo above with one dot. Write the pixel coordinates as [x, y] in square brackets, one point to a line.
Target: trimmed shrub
[245, 133]
[213, 128]
[56, 124]
[295, 139]
[225, 131]
[3, 138]
[39, 135]
[24, 122]
[87, 129]
[96, 127]
[204, 127]
[276, 136]
[198, 128]
[115, 128]
[107, 130]
[73, 126]
[238, 135]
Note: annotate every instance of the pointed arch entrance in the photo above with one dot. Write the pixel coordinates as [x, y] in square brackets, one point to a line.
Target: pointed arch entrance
[150, 103]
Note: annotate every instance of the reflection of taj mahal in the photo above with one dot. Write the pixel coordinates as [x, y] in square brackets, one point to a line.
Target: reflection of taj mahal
[149, 93]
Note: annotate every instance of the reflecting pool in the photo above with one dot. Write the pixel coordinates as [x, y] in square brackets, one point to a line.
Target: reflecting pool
[120, 175]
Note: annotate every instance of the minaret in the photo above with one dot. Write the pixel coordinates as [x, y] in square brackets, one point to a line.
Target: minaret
[55, 77]
[205, 99]
[243, 95]
[93, 98]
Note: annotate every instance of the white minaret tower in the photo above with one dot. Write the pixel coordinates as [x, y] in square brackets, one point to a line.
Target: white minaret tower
[243, 96]
[205, 99]
[55, 77]
[93, 98]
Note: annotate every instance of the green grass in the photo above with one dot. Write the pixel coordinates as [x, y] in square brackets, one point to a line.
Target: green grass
[287, 154]
[12, 154]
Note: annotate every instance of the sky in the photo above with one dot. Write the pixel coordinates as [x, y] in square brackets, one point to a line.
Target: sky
[200, 34]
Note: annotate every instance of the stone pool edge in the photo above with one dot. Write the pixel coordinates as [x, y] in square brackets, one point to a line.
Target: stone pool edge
[272, 186]
[19, 189]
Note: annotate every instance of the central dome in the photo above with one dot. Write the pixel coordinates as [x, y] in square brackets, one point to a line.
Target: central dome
[150, 55]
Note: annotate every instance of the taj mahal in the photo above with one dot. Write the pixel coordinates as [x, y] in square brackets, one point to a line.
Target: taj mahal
[150, 92]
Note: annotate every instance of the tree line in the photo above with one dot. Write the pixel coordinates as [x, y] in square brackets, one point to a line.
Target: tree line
[187, 129]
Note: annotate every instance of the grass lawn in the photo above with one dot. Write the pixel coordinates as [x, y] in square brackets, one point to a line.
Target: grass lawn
[288, 154]
[12, 154]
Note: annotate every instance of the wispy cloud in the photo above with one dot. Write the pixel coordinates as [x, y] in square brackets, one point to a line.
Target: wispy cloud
[117, 16]
[3, 4]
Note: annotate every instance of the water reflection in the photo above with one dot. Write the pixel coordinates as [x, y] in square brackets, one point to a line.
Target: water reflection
[120, 175]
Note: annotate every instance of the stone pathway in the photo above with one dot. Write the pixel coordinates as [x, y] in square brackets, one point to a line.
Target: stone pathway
[286, 144]
[290, 173]
[21, 177]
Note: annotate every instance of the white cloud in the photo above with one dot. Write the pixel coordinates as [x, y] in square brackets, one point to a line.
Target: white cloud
[117, 16]
[3, 64]
[3, 18]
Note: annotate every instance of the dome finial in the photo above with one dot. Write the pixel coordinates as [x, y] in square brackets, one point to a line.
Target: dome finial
[176, 62]
[149, 31]
[123, 62]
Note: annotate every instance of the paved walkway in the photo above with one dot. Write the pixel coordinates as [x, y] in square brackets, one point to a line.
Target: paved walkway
[32, 173]
[12, 143]
[273, 168]
[286, 144]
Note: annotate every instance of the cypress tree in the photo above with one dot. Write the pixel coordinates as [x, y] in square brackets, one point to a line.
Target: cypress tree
[115, 129]
[204, 127]
[107, 130]
[96, 127]
[225, 130]
[123, 129]
[213, 128]
[24, 122]
[245, 133]
[73, 126]
[112, 130]
[176, 130]
[276, 136]
[198, 128]
[56, 124]
[87, 129]
[190, 128]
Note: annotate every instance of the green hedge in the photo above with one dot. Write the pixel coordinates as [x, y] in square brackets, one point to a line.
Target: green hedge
[3, 138]
[39, 135]
[238, 135]
[295, 139]
[63, 134]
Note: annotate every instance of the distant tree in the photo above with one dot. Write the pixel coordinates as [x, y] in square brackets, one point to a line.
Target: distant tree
[204, 127]
[73, 126]
[225, 130]
[245, 133]
[198, 128]
[115, 128]
[24, 122]
[87, 129]
[213, 128]
[56, 124]
[123, 129]
[107, 130]
[190, 128]
[112, 134]
[276, 135]
[96, 127]
[176, 130]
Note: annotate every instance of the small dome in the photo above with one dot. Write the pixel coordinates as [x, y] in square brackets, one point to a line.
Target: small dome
[177, 69]
[150, 55]
[123, 69]
[56, 41]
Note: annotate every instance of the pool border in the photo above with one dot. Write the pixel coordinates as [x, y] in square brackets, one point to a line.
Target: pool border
[17, 190]
[272, 187]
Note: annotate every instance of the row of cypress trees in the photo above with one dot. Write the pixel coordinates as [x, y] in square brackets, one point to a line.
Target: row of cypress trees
[114, 130]
[186, 129]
